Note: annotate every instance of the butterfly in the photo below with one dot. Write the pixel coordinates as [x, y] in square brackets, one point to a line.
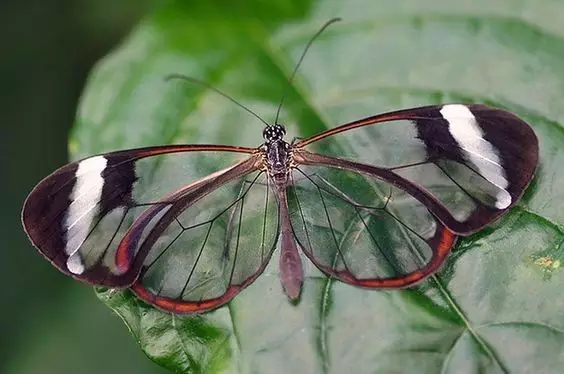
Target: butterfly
[376, 203]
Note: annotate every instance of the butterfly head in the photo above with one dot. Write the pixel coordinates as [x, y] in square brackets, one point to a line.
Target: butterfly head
[273, 133]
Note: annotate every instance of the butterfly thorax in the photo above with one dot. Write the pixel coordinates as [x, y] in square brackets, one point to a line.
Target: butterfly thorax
[278, 155]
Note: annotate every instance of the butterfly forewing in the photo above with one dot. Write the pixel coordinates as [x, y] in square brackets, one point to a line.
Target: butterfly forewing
[78, 216]
[213, 247]
[363, 230]
[475, 160]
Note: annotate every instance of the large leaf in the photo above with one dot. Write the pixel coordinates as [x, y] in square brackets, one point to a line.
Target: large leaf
[495, 307]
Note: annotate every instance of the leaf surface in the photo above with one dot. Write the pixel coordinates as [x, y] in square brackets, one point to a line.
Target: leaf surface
[493, 308]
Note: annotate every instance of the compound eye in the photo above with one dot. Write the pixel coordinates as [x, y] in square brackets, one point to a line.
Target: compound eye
[269, 134]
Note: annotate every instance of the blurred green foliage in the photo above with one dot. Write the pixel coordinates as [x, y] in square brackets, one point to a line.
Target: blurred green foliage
[49, 324]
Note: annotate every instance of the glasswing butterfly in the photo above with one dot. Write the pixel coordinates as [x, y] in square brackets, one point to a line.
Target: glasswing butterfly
[383, 213]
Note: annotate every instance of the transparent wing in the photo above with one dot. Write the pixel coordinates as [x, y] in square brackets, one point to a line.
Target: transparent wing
[78, 215]
[477, 161]
[363, 230]
[208, 247]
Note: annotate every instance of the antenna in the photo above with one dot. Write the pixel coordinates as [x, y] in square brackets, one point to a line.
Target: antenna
[207, 85]
[327, 24]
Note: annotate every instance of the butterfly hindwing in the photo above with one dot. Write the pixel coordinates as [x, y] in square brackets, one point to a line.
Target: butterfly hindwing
[364, 231]
[213, 247]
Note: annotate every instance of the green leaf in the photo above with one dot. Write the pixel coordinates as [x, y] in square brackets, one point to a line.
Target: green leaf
[494, 308]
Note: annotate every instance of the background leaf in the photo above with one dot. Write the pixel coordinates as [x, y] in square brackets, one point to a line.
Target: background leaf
[493, 308]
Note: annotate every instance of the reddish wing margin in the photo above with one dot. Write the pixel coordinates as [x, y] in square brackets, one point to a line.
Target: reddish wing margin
[214, 240]
[355, 233]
